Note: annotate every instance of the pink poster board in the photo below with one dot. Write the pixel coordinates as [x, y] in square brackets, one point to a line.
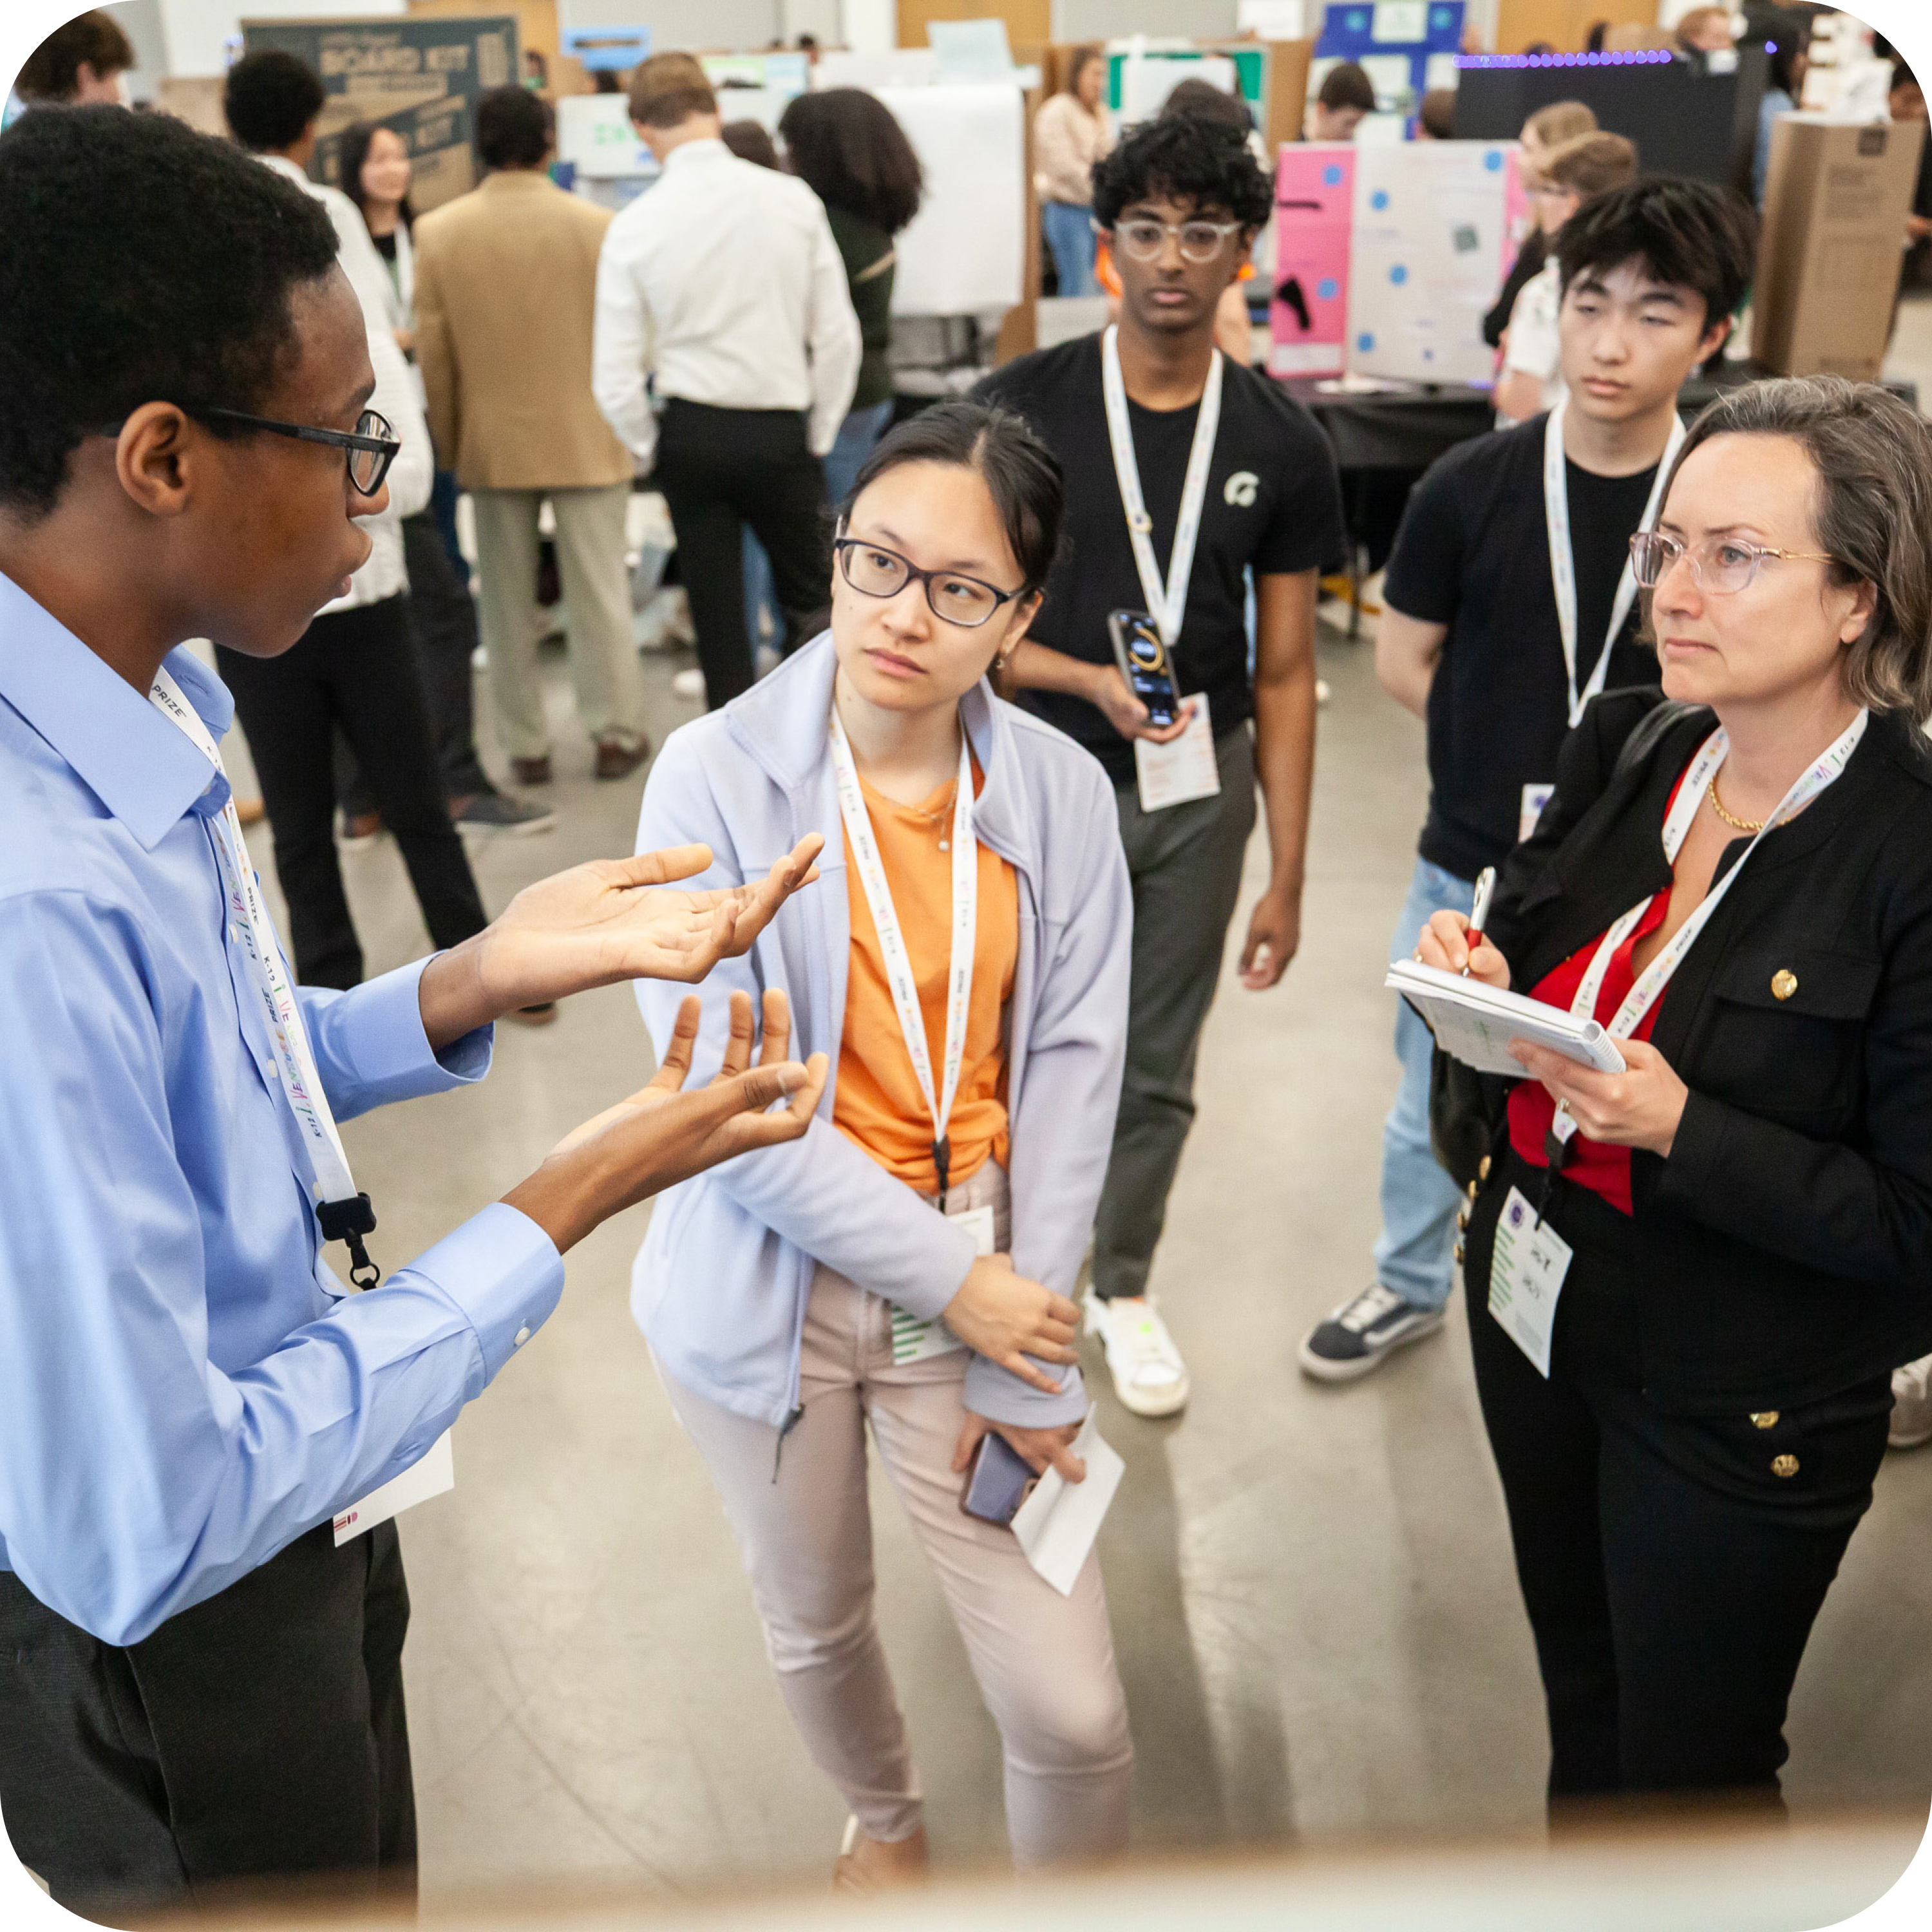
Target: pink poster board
[1315, 188]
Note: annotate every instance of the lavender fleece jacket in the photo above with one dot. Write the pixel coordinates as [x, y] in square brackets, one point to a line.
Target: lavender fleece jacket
[719, 1286]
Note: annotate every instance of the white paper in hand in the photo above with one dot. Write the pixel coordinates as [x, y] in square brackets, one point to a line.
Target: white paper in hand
[1057, 1523]
[1183, 768]
[434, 1473]
[1475, 1023]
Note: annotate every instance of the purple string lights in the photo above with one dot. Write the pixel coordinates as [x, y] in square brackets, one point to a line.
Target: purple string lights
[1639, 57]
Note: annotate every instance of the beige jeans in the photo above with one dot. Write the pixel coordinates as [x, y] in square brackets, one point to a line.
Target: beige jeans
[596, 597]
[1044, 1663]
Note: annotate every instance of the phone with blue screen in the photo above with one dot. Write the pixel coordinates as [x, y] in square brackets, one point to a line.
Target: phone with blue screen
[1144, 663]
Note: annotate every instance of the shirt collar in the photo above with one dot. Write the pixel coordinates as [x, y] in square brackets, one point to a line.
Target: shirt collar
[687, 152]
[282, 165]
[140, 765]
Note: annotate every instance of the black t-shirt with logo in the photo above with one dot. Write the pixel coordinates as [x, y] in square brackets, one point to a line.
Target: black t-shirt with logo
[1274, 505]
[1473, 553]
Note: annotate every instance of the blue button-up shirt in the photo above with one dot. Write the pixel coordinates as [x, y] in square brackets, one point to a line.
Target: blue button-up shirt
[183, 1387]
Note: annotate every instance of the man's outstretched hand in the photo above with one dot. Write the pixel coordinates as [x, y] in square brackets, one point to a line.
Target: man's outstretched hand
[662, 1135]
[609, 920]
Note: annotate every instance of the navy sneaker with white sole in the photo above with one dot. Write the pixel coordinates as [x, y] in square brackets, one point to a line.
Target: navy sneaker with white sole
[1361, 1334]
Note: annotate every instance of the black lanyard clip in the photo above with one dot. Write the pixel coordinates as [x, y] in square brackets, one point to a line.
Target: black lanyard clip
[348, 1221]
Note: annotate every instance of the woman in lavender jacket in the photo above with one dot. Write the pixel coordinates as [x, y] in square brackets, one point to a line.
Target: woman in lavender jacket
[792, 1297]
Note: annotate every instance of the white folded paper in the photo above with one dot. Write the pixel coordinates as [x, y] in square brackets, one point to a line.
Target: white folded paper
[1476, 1023]
[1057, 1523]
[435, 1473]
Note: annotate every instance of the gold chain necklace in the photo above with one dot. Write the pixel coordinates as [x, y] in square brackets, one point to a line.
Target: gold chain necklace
[1736, 824]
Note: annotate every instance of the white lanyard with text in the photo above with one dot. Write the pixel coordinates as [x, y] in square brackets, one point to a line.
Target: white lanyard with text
[1166, 602]
[1563, 557]
[344, 1213]
[899, 977]
[1648, 988]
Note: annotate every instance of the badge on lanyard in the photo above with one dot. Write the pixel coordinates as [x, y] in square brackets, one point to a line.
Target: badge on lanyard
[1183, 770]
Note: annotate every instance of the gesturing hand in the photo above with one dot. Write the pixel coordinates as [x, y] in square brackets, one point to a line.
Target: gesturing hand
[1640, 1107]
[1037, 1448]
[598, 923]
[1007, 1317]
[662, 1135]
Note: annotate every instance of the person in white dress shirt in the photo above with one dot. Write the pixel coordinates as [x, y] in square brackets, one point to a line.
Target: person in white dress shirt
[721, 285]
[354, 669]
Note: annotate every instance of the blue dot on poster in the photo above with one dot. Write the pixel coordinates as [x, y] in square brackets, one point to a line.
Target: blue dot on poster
[1365, 342]
[1327, 289]
[1398, 274]
[1331, 175]
[1493, 160]
[1379, 199]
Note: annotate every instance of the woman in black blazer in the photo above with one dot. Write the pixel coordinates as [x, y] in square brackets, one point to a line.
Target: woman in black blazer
[1748, 1207]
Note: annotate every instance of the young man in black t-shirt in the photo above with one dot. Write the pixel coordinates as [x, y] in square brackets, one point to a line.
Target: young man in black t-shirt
[1472, 638]
[1182, 200]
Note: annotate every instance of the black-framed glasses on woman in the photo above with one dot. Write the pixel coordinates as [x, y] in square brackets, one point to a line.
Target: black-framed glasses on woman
[874, 571]
[371, 447]
[1144, 238]
[1722, 565]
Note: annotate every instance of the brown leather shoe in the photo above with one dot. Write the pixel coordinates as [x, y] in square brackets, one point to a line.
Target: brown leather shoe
[619, 755]
[531, 771]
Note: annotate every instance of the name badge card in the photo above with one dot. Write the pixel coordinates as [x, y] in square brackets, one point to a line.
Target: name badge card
[915, 1341]
[1535, 798]
[1525, 1277]
[1182, 770]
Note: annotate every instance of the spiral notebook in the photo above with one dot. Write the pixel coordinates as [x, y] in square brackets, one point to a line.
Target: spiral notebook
[1476, 1023]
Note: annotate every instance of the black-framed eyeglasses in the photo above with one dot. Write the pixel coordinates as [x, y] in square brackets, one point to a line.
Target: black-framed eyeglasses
[874, 571]
[371, 447]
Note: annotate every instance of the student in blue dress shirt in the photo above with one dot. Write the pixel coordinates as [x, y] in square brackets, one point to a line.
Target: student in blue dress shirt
[200, 1686]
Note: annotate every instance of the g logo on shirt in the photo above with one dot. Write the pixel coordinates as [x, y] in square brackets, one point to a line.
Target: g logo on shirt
[1239, 489]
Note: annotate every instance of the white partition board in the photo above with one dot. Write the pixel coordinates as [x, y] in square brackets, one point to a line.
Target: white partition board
[965, 252]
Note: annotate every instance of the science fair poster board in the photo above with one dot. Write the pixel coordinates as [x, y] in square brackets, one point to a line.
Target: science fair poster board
[421, 77]
[1431, 239]
[1315, 221]
[1405, 46]
[965, 252]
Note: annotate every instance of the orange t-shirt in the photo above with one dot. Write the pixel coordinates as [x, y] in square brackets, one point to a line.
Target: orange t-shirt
[879, 1105]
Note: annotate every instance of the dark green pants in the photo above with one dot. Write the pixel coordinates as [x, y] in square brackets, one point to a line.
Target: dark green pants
[1185, 864]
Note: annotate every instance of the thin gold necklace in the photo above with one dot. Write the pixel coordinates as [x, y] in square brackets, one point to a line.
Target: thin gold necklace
[1736, 824]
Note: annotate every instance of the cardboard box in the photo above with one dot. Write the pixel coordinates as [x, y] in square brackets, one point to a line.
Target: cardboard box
[1836, 198]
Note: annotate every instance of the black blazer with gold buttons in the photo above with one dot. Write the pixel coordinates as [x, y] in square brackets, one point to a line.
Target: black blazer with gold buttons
[1784, 1251]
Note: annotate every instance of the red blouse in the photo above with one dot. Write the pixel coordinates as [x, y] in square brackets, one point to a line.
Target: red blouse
[1604, 1170]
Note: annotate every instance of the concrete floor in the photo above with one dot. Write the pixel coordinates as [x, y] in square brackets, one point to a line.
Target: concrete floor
[1312, 1598]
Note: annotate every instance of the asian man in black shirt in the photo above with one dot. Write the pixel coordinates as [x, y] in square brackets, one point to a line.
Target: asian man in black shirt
[1508, 604]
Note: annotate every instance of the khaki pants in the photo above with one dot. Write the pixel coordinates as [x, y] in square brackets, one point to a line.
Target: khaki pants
[596, 595]
[1044, 1663]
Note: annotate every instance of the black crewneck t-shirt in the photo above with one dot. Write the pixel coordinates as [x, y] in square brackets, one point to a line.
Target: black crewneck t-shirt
[1473, 553]
[1273, 504]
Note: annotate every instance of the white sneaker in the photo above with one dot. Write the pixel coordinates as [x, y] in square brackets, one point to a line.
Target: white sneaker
[1911, 1404]
[664, 623]
[1149, 1377]
[688, 684]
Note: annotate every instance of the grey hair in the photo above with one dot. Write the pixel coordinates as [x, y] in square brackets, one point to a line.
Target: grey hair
[1872, 512]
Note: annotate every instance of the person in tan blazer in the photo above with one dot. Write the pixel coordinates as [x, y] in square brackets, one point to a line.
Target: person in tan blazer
[506, 279]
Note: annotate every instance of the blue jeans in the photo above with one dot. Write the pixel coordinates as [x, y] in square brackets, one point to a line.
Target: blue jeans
[857, 433]
[1414, 1252]
[1070, 235]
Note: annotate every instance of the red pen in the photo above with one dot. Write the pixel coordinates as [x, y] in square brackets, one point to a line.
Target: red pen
[1479, 911]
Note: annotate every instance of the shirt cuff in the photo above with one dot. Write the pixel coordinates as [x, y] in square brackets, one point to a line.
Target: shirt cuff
[504, 1274]
[375, 1033]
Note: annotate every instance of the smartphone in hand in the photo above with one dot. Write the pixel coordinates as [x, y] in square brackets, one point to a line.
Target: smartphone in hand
[1144, 663]
[998, 1482]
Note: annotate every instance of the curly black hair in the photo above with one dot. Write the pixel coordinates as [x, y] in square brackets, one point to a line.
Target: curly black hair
[1186, 158]
[270, 97]
[144, 263]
